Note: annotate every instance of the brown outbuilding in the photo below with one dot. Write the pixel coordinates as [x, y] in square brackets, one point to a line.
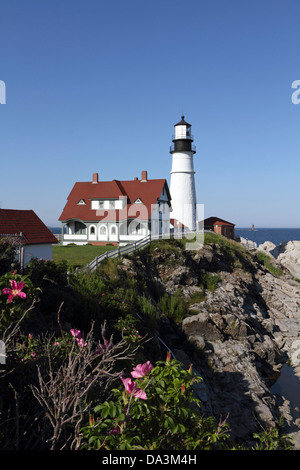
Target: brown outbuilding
[220, 226]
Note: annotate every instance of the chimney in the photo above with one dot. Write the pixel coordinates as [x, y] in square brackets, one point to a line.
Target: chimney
[144, 176]
[95, 178]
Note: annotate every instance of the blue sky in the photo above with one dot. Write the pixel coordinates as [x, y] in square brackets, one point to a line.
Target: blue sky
[97, 86]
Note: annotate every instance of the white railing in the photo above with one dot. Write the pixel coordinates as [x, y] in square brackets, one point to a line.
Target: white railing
[132, 247]
[131, 237]
[123, 250]
[74, 237]
[142, 243]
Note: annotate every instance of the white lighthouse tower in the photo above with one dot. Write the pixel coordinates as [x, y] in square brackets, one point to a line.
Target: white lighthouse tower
[182, 185]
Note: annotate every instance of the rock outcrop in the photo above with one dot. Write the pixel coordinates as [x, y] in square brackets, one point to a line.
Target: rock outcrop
[287, 254]
[239, 333]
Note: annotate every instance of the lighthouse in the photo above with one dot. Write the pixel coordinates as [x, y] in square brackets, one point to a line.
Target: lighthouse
[182, 184]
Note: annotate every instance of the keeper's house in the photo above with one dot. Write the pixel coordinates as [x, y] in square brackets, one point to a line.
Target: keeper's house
[117, 212]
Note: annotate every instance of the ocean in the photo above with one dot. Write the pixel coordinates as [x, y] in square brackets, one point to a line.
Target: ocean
[274, 235]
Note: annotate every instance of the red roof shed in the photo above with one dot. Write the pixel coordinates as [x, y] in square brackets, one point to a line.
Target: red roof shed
[220, 226]
[34, 231]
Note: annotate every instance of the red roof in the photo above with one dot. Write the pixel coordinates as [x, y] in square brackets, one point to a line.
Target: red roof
[34, 231]
[147, 191]
[216, 221]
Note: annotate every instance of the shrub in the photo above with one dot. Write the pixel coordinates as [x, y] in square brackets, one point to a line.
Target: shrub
[173, 307]
[211, 281]
[158, 410]
[16, 295]
[149, 311]
[127, 326]
[42, 271]
[8, 256]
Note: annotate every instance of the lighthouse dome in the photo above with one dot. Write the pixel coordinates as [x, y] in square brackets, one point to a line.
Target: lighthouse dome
[183, 122]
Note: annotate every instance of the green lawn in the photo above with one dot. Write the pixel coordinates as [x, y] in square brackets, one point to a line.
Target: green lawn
[78, 255]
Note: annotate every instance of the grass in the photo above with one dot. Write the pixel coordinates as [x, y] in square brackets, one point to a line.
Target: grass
[236, 255]
[79, 255]
[266, 261]
[168, 245]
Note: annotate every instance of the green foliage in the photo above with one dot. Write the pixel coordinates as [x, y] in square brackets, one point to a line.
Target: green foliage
[235, 255]
[171, 245]
[11, 310]
[210, 281]
[273, 439]
[149, 311]
[127, 326]
[31, 347]
[266, 261]
[42, 271]
[91, 284]
[197, 297]
[168, 418]
[173, 307]
[7, 256]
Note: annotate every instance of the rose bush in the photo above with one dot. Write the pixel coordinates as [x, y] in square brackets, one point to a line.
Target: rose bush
[16, 295]
[158, 411]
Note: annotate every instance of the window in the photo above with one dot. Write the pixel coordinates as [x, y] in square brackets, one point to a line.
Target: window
[80, 228]
[92, 230]
[111, 204]
[101, 204]
[113, 231]
[102, 230]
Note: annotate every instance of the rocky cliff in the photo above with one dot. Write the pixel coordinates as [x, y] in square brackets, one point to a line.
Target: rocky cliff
[240, 326]
[287, 254]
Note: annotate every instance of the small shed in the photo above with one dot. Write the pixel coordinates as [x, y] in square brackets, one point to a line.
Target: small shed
[220, 226]
[35, 239]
